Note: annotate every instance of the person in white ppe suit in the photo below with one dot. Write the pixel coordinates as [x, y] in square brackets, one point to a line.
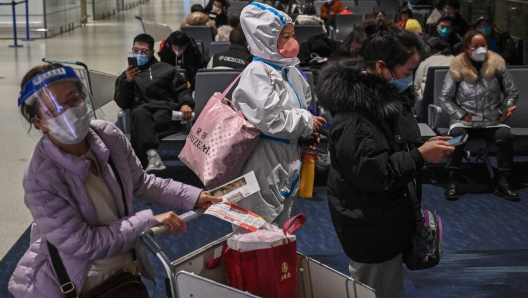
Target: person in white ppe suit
[274, 96]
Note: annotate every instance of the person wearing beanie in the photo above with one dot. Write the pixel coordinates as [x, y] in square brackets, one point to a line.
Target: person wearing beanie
[500, 42]
[412, 25]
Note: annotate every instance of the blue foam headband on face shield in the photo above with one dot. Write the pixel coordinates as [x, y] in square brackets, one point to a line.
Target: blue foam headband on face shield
[43, 79]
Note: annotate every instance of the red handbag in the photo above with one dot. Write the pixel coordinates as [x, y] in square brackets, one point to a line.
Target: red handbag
[270, 272]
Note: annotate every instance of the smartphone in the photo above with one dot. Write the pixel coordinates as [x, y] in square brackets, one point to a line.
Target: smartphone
[133, 61]
[457, 140]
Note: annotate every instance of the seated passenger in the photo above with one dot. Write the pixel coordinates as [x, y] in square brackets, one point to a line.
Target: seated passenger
[472, 97]
[217, 11]
[436, 13]
[405, 14]
[439, 55]
[152, 91]
[499, 41]
[237, 56]
[78, 185]
[223, 32]
[288, 6]
[329, 9]
[181, 51]
[445, 32]
[309, 17]
[198, 18]
[460, 26]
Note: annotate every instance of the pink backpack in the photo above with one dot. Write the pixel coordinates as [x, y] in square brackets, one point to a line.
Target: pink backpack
[219, 142]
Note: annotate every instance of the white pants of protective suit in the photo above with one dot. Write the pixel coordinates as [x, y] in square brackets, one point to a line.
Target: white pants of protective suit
[277, 167]
[386, 278]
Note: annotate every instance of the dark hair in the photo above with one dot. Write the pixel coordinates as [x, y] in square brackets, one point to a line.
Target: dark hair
[234, 20]
[407, 11]
[440, 4]
[391, 44]
[380, 12]
[197, 7]
[178, 38]
[437, 44]
[445, 18]
[348, 47]
[145, 38]
[309, 9]
[469, 36]
[453, 3]
[237, 37]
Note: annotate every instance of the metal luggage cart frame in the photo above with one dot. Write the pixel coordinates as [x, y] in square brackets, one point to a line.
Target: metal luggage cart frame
[314, 279]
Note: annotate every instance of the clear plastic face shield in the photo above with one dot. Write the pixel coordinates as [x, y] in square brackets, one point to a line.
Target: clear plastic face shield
[59, 102]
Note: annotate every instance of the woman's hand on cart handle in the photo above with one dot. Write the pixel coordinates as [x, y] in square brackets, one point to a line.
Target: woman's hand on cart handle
[173, 221]
[206, 199]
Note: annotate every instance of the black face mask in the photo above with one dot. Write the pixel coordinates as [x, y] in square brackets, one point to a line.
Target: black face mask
[284, 1]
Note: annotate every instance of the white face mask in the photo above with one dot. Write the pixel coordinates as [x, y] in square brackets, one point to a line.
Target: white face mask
[479, 54]
[71, 127]
[178, 53]
[215, 9]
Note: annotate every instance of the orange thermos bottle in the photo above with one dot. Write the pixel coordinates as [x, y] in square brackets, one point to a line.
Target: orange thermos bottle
[307, 175]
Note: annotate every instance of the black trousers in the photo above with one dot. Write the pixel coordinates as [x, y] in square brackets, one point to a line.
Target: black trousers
[502, 138]
[149, 126]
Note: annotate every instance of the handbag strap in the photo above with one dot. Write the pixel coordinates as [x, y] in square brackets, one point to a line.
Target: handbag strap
[416, 205]
[294, 223]
[231, 85]
[67, 287]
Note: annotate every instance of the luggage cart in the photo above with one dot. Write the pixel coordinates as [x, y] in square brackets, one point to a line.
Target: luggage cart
[188, 276]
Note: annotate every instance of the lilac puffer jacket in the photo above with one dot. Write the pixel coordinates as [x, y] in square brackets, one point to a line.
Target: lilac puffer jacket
[64, 215]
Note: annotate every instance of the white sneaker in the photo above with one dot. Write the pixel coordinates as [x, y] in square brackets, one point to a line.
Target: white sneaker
[155, 163]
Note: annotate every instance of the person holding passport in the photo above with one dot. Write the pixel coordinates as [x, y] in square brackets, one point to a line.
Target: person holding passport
[471, 95]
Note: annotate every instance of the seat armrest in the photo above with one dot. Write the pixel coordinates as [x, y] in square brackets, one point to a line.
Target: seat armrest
[433, 119]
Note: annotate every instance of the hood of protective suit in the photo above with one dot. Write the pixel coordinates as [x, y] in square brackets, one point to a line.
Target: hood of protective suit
[262, 25]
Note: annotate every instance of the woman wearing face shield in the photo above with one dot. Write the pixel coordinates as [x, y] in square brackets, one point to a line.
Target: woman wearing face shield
[274, 96]
[79, 206]
[472, 97]
[376, 150]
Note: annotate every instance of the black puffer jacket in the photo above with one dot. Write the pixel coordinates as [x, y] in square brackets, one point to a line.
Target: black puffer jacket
[373, 154]
[158, 86]
[191, 60]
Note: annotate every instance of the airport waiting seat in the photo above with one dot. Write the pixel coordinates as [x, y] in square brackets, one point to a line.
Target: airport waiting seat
[158, 31]
[367, 3]
[203, 33]
[303, 32]
[345, 24]
[218, 47]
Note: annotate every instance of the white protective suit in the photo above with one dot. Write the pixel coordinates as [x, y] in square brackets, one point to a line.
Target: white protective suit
[274, 96]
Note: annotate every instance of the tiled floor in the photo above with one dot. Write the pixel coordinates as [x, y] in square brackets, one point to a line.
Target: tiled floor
[103, 45]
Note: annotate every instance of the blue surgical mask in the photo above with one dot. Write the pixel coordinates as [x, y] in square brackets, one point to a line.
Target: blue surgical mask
[485, 29]
[402, 84]
[444, 32]
[142, 59]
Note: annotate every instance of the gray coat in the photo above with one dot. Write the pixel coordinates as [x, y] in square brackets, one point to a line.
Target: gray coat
[467, 91]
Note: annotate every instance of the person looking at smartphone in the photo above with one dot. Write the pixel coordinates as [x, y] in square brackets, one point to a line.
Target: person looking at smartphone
[79, 184]
[152, 91]
[376, 150]
[471, 95]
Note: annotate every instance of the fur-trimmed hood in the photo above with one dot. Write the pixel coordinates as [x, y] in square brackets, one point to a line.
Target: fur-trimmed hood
[343, 87]
[461, 68]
